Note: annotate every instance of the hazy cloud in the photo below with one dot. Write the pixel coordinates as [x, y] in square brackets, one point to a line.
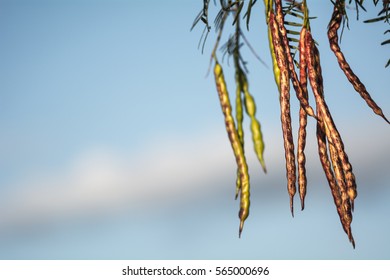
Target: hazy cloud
[101, 180]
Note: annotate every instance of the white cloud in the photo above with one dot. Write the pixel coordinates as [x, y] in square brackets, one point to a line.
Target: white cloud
[100, 180]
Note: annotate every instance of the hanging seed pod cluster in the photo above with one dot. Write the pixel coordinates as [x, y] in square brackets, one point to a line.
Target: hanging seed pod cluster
[297, 68]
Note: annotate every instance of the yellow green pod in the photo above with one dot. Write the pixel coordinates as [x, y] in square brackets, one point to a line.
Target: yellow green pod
[239, 119]
[257, 136]
[239, 109]
[236, 144]
[274, 61]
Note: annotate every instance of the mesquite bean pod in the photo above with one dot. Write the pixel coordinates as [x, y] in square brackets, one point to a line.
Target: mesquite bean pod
[284, 98]
[239, 109]
[290, 62]
[275, 66]
[334, 25]
[345, 201]
[276, 70]
[314, 72]
[235, 143]
[326, 165]
[301, 158]
[249, 102]
[239, 119]
[257, 136]
[339, 157]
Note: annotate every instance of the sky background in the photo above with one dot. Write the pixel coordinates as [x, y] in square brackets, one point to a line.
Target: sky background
[113, 144]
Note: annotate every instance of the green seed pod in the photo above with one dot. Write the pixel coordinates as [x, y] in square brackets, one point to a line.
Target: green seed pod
[238, 184]
[239, 119]
[235, 143]
[257, 136]
[239, 107]
[276, 69]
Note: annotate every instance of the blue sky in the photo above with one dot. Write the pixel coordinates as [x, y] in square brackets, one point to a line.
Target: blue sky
[113, 144]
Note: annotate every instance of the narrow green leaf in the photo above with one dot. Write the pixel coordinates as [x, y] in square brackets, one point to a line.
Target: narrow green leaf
[292, 23]
[238, 13]
[293, 32]
[295, 14]
[360, 3]
[248, 13]
[375, 19]
[290, 39]
[385, 42]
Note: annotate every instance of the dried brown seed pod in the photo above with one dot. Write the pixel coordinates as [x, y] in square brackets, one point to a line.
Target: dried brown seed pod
[334, 25]
[284, 99]
[327, 167]
[290, 62]
[327, 127]
[314, 68]
[301, 158]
